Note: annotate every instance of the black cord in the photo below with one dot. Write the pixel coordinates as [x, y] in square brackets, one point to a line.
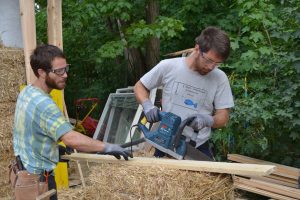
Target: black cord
[131, 138]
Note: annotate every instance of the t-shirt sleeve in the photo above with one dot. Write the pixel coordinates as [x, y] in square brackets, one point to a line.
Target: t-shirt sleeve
[154, 78]
[52, 121]
[223, 98]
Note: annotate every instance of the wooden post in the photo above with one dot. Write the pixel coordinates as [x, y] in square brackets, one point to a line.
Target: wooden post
[54, 14]
[29, 35]
[54, 19]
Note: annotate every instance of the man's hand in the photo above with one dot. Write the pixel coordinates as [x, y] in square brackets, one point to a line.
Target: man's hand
[151, 111]
[116, 150]
[201, 121]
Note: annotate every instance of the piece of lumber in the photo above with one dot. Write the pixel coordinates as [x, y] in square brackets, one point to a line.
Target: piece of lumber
[280, 182]
[281, 170]
[46, 195]
[29, 35]
[270, 187]
[259, 191]
[177, 53]
[206, 166]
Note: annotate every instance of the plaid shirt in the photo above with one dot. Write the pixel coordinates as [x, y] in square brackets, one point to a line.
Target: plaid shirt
[38, 125]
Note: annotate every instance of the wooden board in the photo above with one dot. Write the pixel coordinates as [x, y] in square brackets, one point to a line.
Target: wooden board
[281, 170]
[206, 166]
[269, 187]
[259, 191]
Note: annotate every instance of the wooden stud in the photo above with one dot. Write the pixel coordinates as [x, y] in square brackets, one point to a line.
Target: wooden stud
[29, 35]
[54, 14]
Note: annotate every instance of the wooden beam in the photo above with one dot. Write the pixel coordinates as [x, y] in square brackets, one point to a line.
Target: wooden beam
[54, 14]
[29, 35]
[270, 187]
[281, 170]
[206, 166]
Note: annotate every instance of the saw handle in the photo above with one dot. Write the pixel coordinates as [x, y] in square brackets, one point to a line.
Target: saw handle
[180, 130]
[161, 114]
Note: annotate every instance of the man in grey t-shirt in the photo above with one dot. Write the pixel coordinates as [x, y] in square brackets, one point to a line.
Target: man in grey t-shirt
[193, 86]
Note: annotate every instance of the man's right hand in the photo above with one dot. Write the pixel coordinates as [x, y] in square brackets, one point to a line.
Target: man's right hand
[116, 150]
[151, 111]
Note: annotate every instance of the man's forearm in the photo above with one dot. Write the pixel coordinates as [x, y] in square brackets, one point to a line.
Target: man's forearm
[141, 92]
[221, 118]
[81, 142]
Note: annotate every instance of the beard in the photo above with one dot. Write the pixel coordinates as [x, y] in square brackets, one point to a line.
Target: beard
[51, 83]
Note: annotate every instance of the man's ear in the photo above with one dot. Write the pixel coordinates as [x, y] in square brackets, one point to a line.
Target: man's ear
[42, 73]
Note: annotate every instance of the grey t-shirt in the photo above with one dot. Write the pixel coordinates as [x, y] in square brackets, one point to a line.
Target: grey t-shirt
[186, 92]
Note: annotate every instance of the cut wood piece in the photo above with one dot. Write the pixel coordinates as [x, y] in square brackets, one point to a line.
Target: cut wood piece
[261, 192]
[177, 53]
[206, 166]
[46, 195]
[281, 170]
[270, 187]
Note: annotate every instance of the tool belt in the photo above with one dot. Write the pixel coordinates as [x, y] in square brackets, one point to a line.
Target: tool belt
[26, 186]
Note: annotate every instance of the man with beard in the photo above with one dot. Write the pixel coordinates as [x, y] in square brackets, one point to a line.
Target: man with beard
[39, 124]
[193, 88]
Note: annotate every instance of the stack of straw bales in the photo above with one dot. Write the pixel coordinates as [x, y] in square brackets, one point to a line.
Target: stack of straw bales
[12, 76]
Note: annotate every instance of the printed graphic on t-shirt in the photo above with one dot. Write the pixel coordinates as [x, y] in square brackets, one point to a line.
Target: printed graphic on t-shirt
[188, 96]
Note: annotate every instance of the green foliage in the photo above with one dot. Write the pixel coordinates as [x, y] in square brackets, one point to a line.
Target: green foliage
[265, 80]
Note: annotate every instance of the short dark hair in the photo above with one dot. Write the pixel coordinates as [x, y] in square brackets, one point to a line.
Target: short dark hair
[213, 38]
[42, 57]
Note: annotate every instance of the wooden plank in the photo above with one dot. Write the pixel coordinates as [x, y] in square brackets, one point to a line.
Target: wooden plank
[261, 192]
[46, 195]
[29, 35]
[271, 180]
[270, 187]
[54, 19]
[206, 166]
[281, 170]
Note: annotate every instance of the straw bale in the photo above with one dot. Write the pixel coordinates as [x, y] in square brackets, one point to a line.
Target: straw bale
[107, 181]
[12, 73]
[5, 189]
[7, 110]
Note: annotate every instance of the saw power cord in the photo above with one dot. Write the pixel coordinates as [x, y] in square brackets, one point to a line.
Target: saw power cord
[131, 151]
